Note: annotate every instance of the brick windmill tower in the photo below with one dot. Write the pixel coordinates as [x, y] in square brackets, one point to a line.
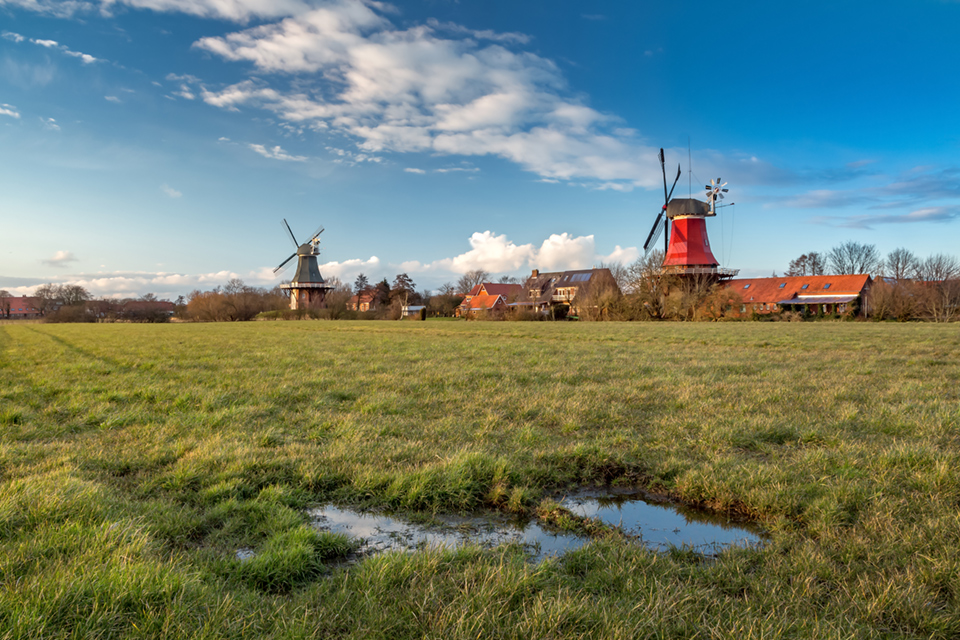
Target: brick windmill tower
[307, 288]
[686, 246]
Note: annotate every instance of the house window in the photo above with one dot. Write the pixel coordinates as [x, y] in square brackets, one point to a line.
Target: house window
[826, 286]
[746, 286]
[805, 286]
[783, 284]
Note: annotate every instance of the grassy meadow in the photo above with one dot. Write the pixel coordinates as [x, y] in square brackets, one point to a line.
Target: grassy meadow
[136, 460]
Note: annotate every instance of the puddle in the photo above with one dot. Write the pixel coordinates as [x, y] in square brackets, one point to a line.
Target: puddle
[656, 525]
[245, 554]
[660, 524]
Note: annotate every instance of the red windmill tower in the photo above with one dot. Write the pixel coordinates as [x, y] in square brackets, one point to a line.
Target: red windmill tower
[687, 248]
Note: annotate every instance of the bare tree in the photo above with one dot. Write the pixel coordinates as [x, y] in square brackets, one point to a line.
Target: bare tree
[649, 285]
[620, 273]
[471, 279]
[446, 289]
[938, 268]
[852, 258]
[5, 303]
[798, 267]
[901, 264]
[808, 264]
[817, 263]
[508, 280]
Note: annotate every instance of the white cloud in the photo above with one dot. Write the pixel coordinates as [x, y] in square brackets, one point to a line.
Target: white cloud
[485, 34]
[868, 221]
[53, 44]
[60, 259]
[276, 153]
[563, 251]
[185, 92]
[85, 58]
[414, 170]
[411, 90]
[9, 110]
[235, 10]
[499, 254]
[173, 77]
[50, 124]
[13, 37]
[348, 270]
[458, 169]
[113, 99]
[170, 191]
[55, 8]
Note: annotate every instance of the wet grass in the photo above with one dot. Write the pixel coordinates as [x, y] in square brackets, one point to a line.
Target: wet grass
[136, 460]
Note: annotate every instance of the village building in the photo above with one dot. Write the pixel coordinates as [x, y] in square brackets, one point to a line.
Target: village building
[366, 300]
[565, 291]
[414, 311]
[488, 297]
[815, 295]
[482, 305]
[20, 307]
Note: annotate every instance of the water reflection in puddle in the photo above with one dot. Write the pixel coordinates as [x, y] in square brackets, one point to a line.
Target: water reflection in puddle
[663, 524]
[656, 525]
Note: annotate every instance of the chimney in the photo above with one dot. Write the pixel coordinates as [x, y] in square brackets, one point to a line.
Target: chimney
[536, 272]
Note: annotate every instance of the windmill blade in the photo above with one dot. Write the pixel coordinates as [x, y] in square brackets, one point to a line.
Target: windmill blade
[290, 231]
[656, 237]
[663, 170]
[655, 232]
[316, 233]
[284, 263]
[676, 180]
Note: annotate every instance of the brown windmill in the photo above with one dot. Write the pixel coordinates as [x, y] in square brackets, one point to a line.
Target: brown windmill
[307, 288]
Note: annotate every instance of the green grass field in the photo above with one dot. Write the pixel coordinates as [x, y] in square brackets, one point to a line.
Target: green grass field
[135, 460]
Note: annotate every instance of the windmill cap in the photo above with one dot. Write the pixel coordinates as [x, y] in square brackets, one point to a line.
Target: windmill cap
[687, 207]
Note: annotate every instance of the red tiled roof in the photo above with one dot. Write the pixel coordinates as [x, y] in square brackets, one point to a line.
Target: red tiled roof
[366, 295]
[483, 301]
[785, 288]
[505, 290]
[20, 305]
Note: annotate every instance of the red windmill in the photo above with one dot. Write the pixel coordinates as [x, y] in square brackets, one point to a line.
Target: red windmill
[687, 248]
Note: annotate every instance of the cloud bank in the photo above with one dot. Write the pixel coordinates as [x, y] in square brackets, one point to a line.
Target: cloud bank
[344, 67]
[494, 253]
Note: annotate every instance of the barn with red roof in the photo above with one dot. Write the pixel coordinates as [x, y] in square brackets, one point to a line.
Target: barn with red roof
[813, 294]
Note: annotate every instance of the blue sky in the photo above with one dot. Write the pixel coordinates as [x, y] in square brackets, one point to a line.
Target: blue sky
[155, 145]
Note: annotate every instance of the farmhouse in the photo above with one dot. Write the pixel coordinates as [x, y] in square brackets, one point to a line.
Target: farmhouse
[482, 303]
[566, 290]
[488, 296]
[811, 294]
[366, 300]
[20, 307]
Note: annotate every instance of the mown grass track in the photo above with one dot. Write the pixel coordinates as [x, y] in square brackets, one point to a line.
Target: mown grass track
[135, 460]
